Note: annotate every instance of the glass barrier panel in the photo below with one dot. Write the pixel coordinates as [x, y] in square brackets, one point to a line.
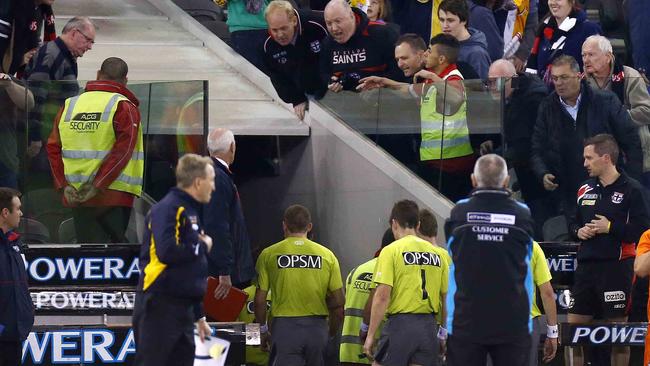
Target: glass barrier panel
[173, 122]
[357, 110]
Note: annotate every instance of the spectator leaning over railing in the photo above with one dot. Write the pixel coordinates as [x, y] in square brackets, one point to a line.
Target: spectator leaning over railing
[454, 18]
[604, 72]
[571, 114]
[560, 34]
[292, 53]
[610, 217]
[355, 48]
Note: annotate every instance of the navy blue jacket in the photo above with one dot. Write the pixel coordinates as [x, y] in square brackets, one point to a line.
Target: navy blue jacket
[16, 307]
[543, 53]
[224, 222]
[179, 267]
[294, 68]
[482, 18]
[490, 283]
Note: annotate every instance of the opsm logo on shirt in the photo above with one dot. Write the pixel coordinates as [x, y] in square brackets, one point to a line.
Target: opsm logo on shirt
[421, 259]
[299, 261]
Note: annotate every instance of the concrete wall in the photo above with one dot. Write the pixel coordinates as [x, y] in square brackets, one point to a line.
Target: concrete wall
[347, 182]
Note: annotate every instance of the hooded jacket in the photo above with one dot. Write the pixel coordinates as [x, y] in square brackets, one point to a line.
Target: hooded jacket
[474, 51]
[482, 19]
[370, 51]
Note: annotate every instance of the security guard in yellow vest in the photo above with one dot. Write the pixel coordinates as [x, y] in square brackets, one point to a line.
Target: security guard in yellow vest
[445, 151]
[97, 157]
[357, 291]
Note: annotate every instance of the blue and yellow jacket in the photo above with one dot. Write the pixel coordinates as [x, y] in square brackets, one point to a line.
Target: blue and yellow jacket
[172, 260]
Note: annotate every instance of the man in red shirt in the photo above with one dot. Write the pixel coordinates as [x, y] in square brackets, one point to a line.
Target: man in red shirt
[95, 151]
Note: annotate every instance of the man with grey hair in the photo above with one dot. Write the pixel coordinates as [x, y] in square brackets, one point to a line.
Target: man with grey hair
[571, 114]
[490, 242]
[55, 61]
[231, 258]
[604, 72]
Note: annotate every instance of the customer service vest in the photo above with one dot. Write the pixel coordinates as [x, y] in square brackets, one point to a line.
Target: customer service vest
[87, 136]
[443, 141]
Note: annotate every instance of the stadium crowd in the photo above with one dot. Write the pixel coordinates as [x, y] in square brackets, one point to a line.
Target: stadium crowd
[575, 116]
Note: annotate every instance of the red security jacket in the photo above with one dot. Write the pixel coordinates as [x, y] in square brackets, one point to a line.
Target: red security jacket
[125, 124]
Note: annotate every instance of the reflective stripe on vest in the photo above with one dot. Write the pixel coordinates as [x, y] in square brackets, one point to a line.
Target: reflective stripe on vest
[443, 140]
[356, 296]
[87, 137]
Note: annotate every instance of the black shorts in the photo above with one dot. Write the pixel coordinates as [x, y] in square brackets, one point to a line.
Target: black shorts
[461, 352]
[603, 288]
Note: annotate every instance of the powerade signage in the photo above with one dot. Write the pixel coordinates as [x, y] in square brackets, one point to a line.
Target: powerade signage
[562, 262]
[83, 266]
[104, 302]
[107, 345]
[80, 346]
[624, 334]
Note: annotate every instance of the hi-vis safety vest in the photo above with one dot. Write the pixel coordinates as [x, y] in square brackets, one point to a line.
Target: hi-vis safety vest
[438, 141]
[87, 136]
[358, 286]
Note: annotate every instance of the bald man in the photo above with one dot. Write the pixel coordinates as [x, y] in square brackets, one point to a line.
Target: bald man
[355, 48]
[230, 258]
[522, 93]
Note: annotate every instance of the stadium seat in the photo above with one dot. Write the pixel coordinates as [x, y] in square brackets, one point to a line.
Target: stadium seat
[556, 229]
[33, 232]
[67, 233]
[45, 206]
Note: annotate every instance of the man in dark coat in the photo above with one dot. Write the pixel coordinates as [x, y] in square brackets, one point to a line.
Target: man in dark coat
[572, 113]
[230, 258]
[16, 307]
[523, 93]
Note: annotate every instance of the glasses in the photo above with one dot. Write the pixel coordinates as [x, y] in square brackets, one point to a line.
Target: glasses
[88, 39]
[497, 83]
[563, 78]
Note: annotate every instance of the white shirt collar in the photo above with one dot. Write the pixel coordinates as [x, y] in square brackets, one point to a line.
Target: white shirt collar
[222, 162]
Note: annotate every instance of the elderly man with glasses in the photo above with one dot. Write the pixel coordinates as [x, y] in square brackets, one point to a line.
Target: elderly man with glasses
[521, 95]
[571, 114]
[55, 61]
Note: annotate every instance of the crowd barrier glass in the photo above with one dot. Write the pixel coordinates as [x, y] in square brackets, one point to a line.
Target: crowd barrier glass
[173, 122]
[397, 121]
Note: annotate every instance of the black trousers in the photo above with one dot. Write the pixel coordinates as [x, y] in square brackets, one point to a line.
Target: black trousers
[467, 353]
[101, 224]
[164, 330]
[10, 353]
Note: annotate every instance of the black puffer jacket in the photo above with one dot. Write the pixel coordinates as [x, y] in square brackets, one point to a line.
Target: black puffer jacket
[557, 143]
